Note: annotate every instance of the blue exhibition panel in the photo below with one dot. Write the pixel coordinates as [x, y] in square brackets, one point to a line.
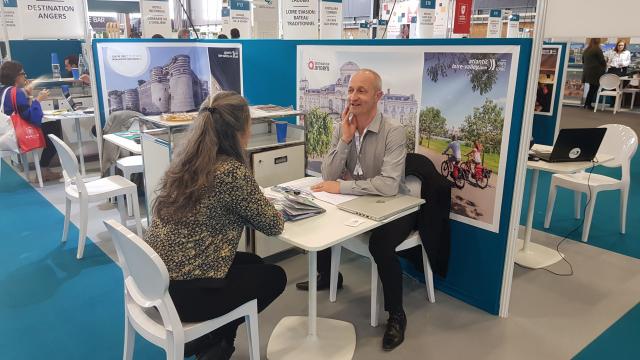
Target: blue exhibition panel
[477, 255]
[35, 55]
[544, 126]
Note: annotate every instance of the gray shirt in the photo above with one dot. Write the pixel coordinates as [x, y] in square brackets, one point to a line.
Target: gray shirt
[382, 157]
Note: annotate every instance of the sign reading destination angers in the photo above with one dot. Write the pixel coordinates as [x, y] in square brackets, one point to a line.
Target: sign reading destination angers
[300, 19]
[43, 16]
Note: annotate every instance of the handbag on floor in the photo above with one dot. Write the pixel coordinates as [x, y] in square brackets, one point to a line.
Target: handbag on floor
[7, 133]
[28, 135]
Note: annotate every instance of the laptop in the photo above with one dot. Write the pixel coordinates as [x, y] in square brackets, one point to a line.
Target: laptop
[574, 145]
[73, 105]
[379, 208]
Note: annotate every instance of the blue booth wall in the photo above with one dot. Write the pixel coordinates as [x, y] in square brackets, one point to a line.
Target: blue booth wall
[477, 256]
[35, 55]
[544, 126]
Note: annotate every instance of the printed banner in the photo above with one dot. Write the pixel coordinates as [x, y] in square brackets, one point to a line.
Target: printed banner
[155, 18]
[403, 13]
[241, 17]
[300, 19]
[442, 17]
[52, 19]
[331, 19]
[464, 124]
[11, 20]
[265, 19]
[427, 17]
[226, 19]
[155, 77]
[547, 79]
[513, 28]
[494, 24]
[573, 87]
[462, 17]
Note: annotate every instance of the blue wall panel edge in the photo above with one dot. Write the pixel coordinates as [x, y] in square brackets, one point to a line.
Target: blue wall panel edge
[477, 256]
[544, 126]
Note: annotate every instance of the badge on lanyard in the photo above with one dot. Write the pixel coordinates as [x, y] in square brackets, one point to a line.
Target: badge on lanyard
[357, 171]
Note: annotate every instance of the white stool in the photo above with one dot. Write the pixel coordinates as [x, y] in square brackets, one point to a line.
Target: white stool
[130, 165]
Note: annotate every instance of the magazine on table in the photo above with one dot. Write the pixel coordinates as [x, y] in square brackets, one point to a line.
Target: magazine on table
[292, 204]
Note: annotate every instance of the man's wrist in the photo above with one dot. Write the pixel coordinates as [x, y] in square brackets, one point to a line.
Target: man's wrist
[347, 141]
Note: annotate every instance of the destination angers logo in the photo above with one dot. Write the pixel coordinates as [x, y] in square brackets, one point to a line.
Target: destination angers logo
[318, 65]
[481, 64]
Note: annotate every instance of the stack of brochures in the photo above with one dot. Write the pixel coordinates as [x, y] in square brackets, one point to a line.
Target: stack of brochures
[294, 205]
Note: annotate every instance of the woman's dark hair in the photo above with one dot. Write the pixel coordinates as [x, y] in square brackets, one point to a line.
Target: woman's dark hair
[594, 42]
[618, 43]
[214, 135]
[235, 33]
[9, 72]
[72, 60]
[222, 36]
[157, 36]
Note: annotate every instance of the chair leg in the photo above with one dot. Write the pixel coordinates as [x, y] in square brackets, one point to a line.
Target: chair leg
[127, 176]
[175, 350]
[67, 216]
[428, 276]
[129, 339]
[624, 197]
[136, 210]
[375, 294]
[588, 217]
[36, 161]
[616, 103]
[577, 204]
[122, 209]
[335, 267]
[633, 100]
[84, 219]
[551, 201]
[25, 165]
[253, 334]
[595, 108]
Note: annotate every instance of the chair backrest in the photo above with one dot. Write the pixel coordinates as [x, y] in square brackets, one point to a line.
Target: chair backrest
[146, 278]
[621, 142]
[610, 81]
[67, 158]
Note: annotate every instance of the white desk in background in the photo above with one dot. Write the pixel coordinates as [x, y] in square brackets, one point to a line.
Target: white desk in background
[532, 255]
[76, 116]
[124, 143]
[310, 337]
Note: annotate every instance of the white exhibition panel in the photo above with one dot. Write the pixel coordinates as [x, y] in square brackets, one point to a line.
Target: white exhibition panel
[592, 18]
[52, 19]
[156, 18]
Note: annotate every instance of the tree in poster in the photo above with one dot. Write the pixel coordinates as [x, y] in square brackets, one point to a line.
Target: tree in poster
[485, 125]
[481, 78]
[410, 132]
[319, 131]
[432, 123]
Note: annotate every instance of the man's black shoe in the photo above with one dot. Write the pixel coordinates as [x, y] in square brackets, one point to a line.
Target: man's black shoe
[394, 334]
[324, 281]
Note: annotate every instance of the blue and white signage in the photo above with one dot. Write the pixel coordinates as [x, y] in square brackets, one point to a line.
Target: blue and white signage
[331, 19]
[494, 25]
[513, 29]
[427, 18]
[240, 17]
[11, 16]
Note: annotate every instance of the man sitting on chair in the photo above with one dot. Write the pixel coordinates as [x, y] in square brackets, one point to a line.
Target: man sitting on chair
[367, 157]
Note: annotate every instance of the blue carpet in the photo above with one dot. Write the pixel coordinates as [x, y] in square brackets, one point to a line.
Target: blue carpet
[605, 226]
[53, 306]
[621, 341]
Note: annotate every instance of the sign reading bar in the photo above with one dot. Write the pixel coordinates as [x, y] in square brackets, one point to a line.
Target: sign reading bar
[52, 19]
[494, 25]
[331, 19]
[427, 15]
[462, 17]
[300, 19]
[155, 18]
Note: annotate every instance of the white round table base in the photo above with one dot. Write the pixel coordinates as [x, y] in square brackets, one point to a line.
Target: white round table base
[335, 339]
[536, 256]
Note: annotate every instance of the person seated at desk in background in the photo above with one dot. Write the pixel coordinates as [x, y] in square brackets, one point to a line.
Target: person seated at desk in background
[205, 199]
[367, 157]
[183, 34]
[71, 62]
[12, 75]
[619, 59]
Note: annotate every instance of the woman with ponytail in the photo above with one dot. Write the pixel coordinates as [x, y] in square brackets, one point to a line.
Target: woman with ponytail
[207, 196]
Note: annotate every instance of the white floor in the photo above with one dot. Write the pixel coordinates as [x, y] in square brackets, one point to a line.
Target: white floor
[551, 317]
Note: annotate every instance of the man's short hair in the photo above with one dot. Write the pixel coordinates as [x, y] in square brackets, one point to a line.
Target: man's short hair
[376, 77]
[235, 33]
[183, 32]
[72, 60]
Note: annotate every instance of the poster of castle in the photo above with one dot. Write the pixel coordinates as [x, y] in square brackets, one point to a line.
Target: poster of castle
[155, 78]
[322, 84]
[464, 123]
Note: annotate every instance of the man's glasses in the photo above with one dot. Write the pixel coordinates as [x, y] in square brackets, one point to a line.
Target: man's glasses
[22, 73]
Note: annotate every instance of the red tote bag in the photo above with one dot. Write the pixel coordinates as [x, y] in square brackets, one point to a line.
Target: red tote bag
[28, 135]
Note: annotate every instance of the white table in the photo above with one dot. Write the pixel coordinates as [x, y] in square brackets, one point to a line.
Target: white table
[124, 143]
[310, 337]
[76, 116]
[532, 255]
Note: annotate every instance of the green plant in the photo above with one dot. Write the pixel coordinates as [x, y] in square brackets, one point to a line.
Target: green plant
[319, 130]
[432, 123]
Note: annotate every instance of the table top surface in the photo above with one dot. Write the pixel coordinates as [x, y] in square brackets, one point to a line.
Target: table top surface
[327, 229]
[564, 167]
[256, 113]
[51, 115]
[124, 143]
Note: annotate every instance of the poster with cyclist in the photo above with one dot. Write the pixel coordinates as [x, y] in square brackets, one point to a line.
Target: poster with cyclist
[464, 121]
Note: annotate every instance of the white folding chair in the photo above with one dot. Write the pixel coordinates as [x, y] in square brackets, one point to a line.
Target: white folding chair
[360, 246]
[635, 82]
[619, 141]
[91, 191]
[130, 165]
[609, 86]
[149, 310]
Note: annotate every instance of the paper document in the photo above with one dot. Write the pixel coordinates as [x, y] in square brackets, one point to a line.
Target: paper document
[305, 184]
[267, 111]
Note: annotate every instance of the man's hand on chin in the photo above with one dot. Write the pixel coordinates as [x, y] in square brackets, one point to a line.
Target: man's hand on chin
[328, 186]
